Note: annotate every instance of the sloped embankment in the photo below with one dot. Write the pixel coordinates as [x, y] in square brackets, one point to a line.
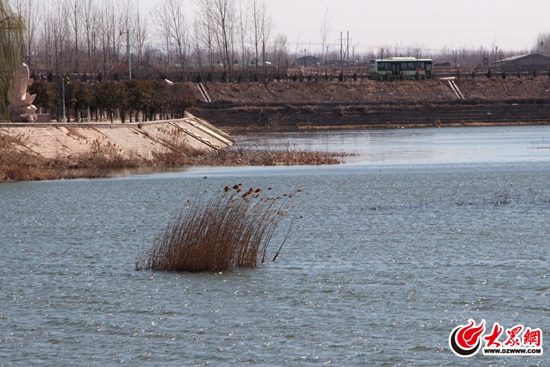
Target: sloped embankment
[371, 104]
[51, 151]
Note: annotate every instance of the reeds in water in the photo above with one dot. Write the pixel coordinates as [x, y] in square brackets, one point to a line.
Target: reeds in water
[230, 230]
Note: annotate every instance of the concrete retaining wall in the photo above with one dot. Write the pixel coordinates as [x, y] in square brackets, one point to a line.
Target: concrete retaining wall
[135, 140]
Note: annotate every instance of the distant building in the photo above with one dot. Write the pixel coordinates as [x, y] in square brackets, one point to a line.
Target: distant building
[525, 62]
[139, 71]
[307, 61]
[338, 63]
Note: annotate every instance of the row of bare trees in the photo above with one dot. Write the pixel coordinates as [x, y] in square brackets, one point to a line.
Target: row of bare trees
[91, 36]
[233, 37]
[81, 36]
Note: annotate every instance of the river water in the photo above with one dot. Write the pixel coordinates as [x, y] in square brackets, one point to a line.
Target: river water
[420, 231]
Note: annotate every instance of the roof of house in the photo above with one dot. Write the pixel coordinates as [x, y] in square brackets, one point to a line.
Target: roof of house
[308, 57]
[525, 56]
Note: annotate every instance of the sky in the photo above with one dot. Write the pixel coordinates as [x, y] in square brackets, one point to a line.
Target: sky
[428, 24]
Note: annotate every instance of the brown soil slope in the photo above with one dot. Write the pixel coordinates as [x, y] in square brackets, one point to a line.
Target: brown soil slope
[374, 91]
[373, 104]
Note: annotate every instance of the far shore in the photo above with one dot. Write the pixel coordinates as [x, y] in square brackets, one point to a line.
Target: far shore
[44, 151]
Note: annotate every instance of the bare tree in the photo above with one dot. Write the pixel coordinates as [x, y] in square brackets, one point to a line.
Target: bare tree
[140, 38]
[76, 8]
[280, 53]
[113, 24]
[261, 25]
[56, 31]
[243, 36]
[26, 10]
[325, 29]
[220, 16]
[169, 17]
[542, 44]
[205, 33]
[197, 44]
[89, 25]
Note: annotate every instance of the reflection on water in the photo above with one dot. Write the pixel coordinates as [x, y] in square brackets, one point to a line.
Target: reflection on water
[388, 258]
[420, 146]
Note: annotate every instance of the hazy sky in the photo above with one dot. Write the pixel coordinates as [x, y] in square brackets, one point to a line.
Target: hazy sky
[430, 24]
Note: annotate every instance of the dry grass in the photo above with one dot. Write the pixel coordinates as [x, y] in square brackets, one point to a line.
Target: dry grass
[101, 157]
[245, 157]
[19, 164]
[178, 150]
[230, 230]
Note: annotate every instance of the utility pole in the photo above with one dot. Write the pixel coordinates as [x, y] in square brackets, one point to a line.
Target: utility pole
[129, 54]
[65, 79]
[347, 47]
[342, 52]
[341, 56]
[263, 56]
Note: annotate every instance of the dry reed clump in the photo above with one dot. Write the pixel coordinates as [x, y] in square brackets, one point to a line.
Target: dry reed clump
[226, 231]
[102, 157]
[246, 157]
[178, 150]
[17, 163]
[185, 155]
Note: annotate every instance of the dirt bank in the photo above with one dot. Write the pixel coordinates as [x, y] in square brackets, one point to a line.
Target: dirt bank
[372, 104]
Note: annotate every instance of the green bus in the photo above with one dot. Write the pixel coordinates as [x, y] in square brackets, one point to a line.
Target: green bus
[393, 68]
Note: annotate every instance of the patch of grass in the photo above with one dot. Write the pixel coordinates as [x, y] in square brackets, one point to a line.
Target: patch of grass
[17, 163]
[230, 230]
[177, 148]
[245, 157]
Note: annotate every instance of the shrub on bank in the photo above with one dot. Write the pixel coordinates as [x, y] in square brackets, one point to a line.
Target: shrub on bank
[131, 99]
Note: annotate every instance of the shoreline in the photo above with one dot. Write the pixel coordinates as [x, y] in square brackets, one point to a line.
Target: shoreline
[35, 151]
[323, 105]
[27, 167]
[257, 130]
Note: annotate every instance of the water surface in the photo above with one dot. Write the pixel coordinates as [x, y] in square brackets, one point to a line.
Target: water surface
[422, 231]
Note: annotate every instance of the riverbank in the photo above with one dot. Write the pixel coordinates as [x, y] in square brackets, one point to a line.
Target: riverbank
[90, 150]
[321, 105]
[52, 151]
